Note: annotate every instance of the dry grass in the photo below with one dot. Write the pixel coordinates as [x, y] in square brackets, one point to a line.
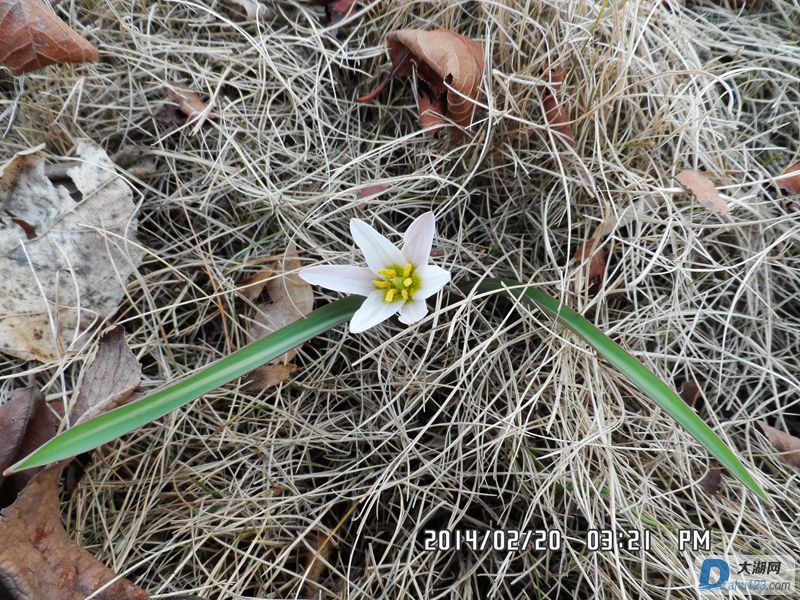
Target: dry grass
[485, 416]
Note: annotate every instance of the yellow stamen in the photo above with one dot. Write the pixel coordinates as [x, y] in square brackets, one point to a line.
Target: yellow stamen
[397, 283]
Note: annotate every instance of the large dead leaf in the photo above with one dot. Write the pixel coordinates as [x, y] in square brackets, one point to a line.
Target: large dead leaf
[64, 262]
[23, 435]
[15, 413]
[555, 111]
[703, 189]
[786, 443]
[32, 37]
[441, 58]
[792, 184]
[38, 559]
[291, 299]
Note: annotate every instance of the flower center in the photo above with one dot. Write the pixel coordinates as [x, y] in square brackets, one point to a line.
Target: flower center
[398, 282]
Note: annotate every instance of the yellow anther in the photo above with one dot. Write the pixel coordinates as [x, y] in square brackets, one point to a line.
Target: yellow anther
[397, 283]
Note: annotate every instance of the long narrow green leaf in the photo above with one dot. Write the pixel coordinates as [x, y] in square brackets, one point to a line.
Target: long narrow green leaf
[635, 371]
[115, 423]
[109, 426]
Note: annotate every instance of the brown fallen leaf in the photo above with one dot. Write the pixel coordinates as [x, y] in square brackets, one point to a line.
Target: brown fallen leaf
[441, 58]
[792, 184]
[712, 481]
[784, 442]
[40, 425]
[317, 559]
[555, 111]
[38, 559]
[597, 258]
[252, 287]
[188, 102]
[69, 263]
[689, 392]
[270, 375]
[702, 188]
[32, 37]
[136, 161]
[339, 9]
[291, 299]
[14, 415]
[110, 380]
[371, 190]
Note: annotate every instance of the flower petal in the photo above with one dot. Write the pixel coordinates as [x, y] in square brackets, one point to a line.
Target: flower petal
[373, 311]
[340, 278]
[413, 311]
[378, 251]
[432, 279]
[418, 239]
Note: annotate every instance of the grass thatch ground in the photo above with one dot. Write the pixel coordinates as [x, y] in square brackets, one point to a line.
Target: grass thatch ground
[483, 417]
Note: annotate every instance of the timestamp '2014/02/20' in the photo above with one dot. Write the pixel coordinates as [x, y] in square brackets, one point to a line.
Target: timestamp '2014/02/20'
[513, 540]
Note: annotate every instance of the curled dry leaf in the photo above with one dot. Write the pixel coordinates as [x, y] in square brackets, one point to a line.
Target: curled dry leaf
[787, 444]
[791, 184]
[32, 37]
[188, 102]
[317, 559]
[597, 258]
[64, 260]
[702, 188]
[291, 299]
[555, 111]
[38, 559]
[441, 58]
[110, 380]
[371, 190]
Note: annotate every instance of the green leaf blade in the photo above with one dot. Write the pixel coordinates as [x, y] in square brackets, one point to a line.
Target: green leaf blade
[634, 370]
[115, 423]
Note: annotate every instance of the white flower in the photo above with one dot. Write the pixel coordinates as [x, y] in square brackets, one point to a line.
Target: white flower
[396, 280]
